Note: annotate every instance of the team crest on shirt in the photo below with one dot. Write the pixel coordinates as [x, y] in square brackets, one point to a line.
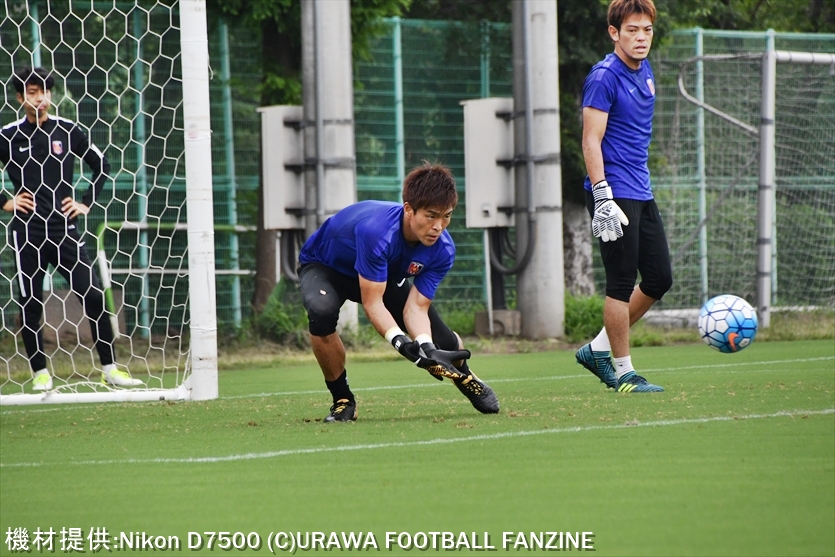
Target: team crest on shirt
[57, 147]
[415, 267]
[651, 86]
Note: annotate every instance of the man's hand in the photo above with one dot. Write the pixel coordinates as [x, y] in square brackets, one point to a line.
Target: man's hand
[440, 362]
[23, 202]
[608, 220]
[409, 349]
[72, 208]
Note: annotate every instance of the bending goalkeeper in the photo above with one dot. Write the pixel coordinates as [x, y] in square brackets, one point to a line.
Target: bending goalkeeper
[390, 257]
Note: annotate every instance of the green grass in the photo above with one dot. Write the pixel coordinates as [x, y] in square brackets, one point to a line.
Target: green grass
[737, 457]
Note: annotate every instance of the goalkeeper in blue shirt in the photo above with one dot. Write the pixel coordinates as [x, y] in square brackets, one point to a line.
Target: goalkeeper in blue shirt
[618, 104]
[390, 257]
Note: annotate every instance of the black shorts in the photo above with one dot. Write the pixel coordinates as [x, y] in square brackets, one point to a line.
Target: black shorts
[324, 290]
[642, 248]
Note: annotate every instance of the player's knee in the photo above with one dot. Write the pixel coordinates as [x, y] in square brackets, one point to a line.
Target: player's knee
[620, 293]
[658, 285]
[322, 317]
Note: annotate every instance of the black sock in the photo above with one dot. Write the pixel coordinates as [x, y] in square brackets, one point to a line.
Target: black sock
[464, 368]
[339, 387]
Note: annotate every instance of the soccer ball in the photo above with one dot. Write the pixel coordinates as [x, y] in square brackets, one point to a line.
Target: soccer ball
[727, 323]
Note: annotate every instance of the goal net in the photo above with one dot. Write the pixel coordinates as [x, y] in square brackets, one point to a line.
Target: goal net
[134, 76]
[706, 169]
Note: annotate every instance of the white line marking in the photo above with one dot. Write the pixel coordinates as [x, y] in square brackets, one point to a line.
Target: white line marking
[553, 377]
[438, 441]
[440, 384]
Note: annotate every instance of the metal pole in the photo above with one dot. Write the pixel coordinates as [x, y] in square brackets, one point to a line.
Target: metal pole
[488, 294]
[231, 179]
[770, 46]
[399, 131]
[36, 35]
[141, 175]
[485, 59]
[488, 268]
[36, 63]
[700, 164]
[765, 190]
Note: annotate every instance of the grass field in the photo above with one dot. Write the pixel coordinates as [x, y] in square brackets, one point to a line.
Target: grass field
[737, 457]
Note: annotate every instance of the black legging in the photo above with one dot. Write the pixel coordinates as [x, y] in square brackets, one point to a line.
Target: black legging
[68, 254]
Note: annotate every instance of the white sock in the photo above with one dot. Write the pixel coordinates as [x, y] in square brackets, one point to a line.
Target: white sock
[43, 371]
[601, 342]
[108, 368]
[622, 366]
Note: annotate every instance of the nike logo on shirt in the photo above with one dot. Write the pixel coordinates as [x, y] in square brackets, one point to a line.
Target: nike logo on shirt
[23, 149]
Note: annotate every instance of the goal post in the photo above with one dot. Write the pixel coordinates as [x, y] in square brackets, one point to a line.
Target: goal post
[135, 77]
[766, 136]
[198, 157]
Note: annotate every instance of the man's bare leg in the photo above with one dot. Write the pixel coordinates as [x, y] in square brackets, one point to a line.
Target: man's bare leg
[619, 316]
[330, 353]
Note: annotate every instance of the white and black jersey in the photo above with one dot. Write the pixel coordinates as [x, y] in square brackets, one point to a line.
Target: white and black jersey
[41, 160]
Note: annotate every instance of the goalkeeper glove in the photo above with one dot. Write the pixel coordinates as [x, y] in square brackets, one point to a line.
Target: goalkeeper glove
[439, 362]
[409, 349]
[608, 220]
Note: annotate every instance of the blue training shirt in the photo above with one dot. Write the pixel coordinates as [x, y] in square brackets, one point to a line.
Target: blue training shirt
[628, 96]
[366, 239]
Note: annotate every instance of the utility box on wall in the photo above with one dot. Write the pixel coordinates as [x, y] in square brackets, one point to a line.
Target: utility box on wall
[282, 163]
[488, 168]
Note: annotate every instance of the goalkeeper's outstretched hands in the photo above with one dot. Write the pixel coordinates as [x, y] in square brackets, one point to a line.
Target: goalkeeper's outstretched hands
[609, 219]
[424, 354]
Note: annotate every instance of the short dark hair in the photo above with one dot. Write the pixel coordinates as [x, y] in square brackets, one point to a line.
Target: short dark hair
[26, 76]
[621, 9]
[430, 186]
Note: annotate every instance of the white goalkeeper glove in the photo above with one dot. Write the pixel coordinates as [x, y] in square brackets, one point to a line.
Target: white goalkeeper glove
[608, 220]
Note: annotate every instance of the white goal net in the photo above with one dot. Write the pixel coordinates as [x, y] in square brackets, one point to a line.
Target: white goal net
[706, 169]
[134, 77]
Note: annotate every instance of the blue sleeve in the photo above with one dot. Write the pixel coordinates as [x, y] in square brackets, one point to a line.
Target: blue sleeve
[428, 281]
[599, 90]
[372, 254]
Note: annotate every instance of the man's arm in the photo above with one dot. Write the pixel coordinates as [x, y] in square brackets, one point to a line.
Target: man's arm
[416, 314]
[95, 159]
[372, 301]
[608, 220]
[594, 128]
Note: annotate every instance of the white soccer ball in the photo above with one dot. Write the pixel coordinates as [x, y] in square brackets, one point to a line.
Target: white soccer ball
[727, 323]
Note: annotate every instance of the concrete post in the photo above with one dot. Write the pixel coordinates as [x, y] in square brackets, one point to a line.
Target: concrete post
[541, 284]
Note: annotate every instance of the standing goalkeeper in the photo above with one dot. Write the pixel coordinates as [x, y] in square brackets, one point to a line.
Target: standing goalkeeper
[368, 252]
[39, 152]
[618, 104]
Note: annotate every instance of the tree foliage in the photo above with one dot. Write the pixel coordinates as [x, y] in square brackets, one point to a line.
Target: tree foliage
[805, 16]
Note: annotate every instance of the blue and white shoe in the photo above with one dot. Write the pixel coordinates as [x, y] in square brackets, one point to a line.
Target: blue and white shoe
[599, 363]
[634, 383]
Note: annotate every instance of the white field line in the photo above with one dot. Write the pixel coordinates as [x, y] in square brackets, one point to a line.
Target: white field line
[439, 383]
[554, 377]
[401, 444]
